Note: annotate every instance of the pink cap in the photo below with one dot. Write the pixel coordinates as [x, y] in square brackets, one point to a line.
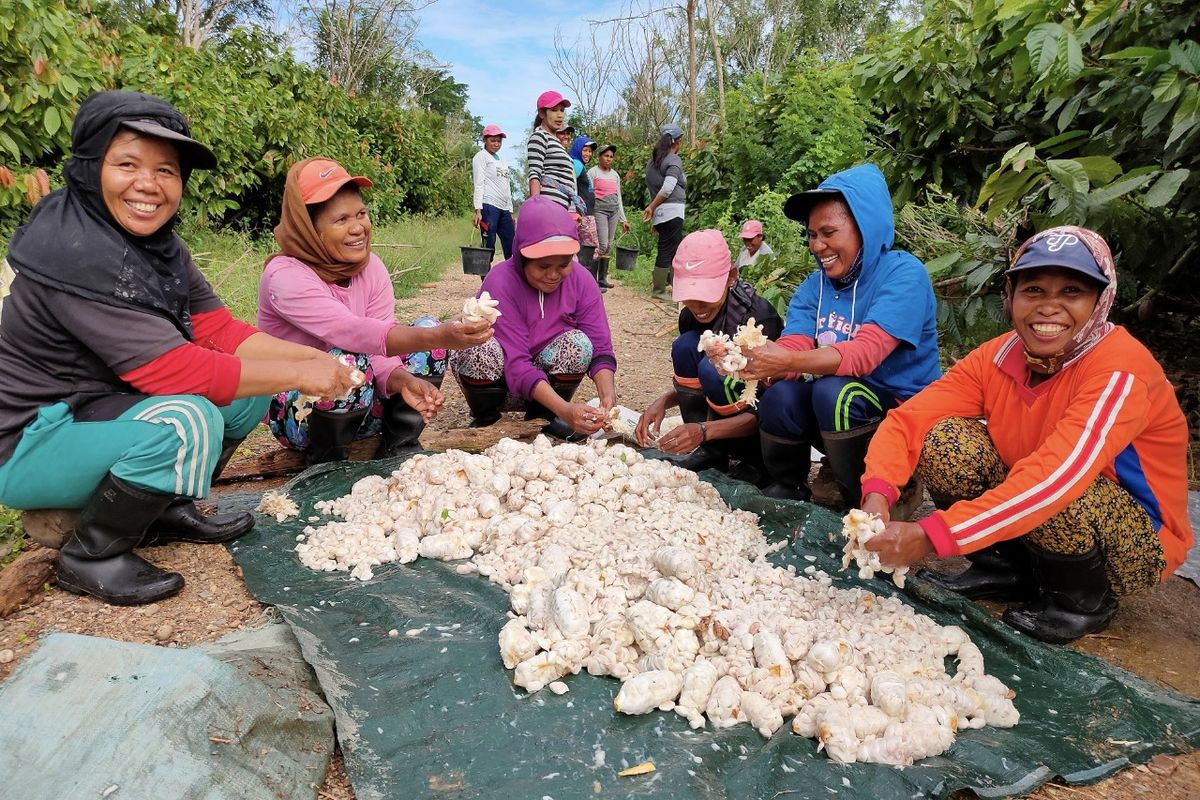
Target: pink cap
[702, 264]
[552, 246]
[552, 98]
[751, 229]
[494, 130]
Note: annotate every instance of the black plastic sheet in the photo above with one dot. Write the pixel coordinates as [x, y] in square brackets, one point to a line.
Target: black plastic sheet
[432, 712]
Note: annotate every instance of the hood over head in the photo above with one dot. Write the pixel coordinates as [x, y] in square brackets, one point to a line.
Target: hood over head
[539, 219]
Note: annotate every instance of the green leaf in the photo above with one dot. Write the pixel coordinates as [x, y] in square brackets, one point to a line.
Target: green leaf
[1042, 44]
[1061, 138]
[1167, 87]
[1017, 156]
[51, 121]
[1015, 8]
[942, 263]
[1165, 188]
[1073, 60]
[1129, 183]
[1130, 53]
[1099, 169]
[70, 85]
[1069, 173]
[9, 145]
[1186, 56]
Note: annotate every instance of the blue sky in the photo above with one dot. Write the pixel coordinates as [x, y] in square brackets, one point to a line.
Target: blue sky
[502, 52]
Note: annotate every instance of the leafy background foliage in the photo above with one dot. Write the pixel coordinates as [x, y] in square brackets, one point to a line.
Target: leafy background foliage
[246, 96]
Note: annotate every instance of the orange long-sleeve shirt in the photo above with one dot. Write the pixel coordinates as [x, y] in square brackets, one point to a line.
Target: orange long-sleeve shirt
[1113, 412]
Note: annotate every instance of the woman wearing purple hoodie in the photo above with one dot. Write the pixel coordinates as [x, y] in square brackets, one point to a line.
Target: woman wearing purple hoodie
[553, 331]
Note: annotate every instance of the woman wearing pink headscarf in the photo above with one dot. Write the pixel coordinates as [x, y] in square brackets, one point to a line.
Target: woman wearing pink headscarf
[1056, 454]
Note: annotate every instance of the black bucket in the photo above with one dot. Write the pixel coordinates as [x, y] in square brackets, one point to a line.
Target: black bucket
[587, 259]
[626, 257]
[477, 260]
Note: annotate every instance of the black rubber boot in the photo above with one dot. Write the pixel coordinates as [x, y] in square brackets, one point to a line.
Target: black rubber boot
[98, 558]
[556, 427]
[787, 462]
[1076, 598]
[228, 448]
[330, 434]
[845, 453]
[484, 400]
[402, 424]
[693, 407]
[1000, 572]
[182, 521]
[602, 274]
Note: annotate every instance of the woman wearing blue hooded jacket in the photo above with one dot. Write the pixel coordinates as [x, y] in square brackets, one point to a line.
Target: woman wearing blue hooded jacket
[860, 337]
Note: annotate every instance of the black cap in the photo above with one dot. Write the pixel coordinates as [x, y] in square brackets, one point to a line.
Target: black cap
[607, 149]
[799, 206]
[191, 152]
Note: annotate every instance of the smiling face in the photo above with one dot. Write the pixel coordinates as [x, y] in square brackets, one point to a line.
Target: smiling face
[586, 153]
[833, 237]
[141, 182]
[707, 312]
[547, 274]
[606, 159]
[344, 225]
[753, 243]
[1049, 306]
[492, 144]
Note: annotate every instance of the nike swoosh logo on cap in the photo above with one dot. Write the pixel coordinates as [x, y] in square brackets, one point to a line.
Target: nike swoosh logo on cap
[691, 265]
[326, 173]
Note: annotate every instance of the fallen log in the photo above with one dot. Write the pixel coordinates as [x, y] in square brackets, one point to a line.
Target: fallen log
[21, 579]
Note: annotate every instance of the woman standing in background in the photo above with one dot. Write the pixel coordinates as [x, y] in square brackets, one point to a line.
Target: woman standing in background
[492, 194]
[667, 184]
[547, 163]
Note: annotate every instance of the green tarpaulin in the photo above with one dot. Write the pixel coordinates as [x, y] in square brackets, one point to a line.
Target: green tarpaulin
[433, 713]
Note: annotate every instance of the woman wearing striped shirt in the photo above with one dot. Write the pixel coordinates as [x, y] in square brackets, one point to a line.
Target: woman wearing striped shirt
[1074, 492]
[547, 164]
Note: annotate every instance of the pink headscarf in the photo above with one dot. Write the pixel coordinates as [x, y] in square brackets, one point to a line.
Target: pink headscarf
[1097, 326]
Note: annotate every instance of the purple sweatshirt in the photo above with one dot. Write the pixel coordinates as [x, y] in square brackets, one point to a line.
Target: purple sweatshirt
[294, 304]
[532, 319]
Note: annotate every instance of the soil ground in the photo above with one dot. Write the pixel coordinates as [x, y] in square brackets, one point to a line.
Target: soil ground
[1156, 635]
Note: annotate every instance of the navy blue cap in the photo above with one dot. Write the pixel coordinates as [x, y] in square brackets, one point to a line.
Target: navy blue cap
[672, 130]
[1064, 250]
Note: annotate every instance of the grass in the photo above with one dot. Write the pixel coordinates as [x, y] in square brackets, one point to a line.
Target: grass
[12, 535]
[233, 262]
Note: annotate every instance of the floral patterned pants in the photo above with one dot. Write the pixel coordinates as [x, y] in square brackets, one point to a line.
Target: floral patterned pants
[293, 433]
[959, 461]
[569, 353]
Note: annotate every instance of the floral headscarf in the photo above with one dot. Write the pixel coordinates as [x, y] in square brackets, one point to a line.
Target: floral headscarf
[1097, 325]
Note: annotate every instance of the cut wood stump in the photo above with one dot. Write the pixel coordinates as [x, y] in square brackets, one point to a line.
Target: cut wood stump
[21, 579]
[287, 462]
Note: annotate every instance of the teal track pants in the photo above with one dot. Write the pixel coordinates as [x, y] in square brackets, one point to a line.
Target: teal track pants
[168, 444]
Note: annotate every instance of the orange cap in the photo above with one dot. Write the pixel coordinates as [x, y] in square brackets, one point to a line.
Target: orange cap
[321, 179]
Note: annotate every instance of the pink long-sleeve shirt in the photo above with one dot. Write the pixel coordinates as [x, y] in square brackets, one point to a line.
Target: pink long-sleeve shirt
[296, 305]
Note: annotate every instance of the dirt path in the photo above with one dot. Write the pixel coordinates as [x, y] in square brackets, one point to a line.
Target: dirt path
[1156, 636]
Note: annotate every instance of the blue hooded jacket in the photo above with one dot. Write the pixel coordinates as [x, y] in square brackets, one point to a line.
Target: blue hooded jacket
[893, 291]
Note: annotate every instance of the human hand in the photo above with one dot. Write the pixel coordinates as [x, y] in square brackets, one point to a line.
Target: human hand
[478, 221]
[624, 227]
[422, 396]
[900, 544]
[683, 439]
[769, 360]
[583, 418]
[459, 334]
[648, 424]
[326, 377]
[646, 215]
[875, 503]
